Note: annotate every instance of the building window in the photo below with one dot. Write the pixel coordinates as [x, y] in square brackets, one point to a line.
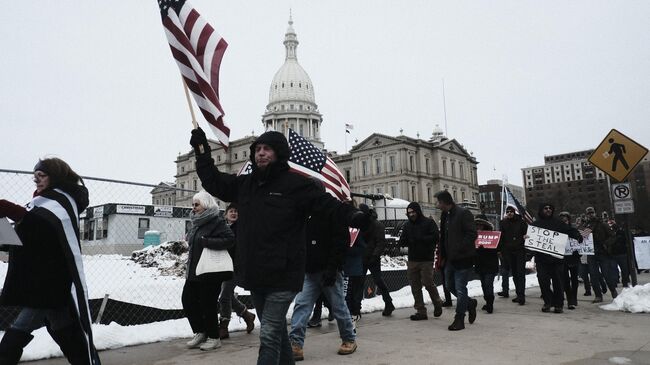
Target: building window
[444, 167]
[454, 192]
[194, 185]
[412, 163]
[143, 226]
[428, 194]
[393, 191]
[378, 166]
[461, 167]
[364, 168]
[236, 156]
[462, 194]
[347, 175]
[391, 163]
[413, 198]
[426, 166]
[182, 169]
[453, 170]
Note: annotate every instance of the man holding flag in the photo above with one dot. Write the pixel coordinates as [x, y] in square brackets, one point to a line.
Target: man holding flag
[274, 206]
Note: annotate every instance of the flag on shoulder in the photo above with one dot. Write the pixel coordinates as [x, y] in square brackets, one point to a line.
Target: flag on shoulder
[308, 160]
[198, 50]
[511, 201]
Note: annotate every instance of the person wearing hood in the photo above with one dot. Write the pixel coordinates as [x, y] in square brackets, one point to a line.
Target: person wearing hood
[571, 267]
[601, 264]
[550, 268]
[458, 252]
[420, 234]
[274, 206]
[511, 245]
[200, 295]
[375, 237]
[487, 264]
[45, 277]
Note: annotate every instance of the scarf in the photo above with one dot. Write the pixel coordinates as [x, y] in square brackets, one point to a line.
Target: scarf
[200, 219]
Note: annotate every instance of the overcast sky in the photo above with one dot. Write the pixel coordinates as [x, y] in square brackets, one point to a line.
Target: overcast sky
[95, 84]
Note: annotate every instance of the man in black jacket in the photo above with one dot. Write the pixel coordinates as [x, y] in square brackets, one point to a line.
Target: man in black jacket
[550, 268]
[375, 237]
[458, 252]
[601, 263]
[420, 234]
[274, 205]
[511, 246]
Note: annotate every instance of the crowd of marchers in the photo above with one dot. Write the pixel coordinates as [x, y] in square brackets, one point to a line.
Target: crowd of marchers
[288, 241]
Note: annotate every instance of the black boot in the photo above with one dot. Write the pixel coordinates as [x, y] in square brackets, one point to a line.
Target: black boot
[11, 347]
[73, 344]
[489, 303]
[388, 309]
[473, 303]
[459, 323]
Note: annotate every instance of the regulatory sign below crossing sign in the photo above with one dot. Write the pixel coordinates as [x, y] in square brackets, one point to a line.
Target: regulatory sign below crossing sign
[624, 207]
[621, 191]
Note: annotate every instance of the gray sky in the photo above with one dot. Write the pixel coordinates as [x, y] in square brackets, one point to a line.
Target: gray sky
[95, 84]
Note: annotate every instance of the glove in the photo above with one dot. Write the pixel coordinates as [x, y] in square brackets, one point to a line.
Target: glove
[360, 220]
[575, 254]
[199, 142]
[329, 277]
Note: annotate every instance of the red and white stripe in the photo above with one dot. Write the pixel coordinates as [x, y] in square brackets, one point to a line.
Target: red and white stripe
[334, 182]
[198, 50]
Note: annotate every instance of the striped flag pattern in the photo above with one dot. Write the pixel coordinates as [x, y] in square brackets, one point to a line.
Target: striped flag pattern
[198, 50]
[308, 160]
[511, 201]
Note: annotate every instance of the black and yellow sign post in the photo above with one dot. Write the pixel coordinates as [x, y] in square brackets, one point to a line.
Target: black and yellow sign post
[617, 155]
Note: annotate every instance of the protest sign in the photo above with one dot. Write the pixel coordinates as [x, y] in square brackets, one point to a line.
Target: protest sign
[487, 239]
[642, 252]
[546, 241]
[584, 248]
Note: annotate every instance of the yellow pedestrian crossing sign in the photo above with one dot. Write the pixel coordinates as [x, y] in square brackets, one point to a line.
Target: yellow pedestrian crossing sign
[617, 155]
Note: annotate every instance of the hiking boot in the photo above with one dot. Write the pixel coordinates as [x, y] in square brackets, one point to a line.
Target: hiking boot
[347, 347]
[614, 293]
[519, 300]
[196, 341]
[388, 309]
[546, 308]
[223, 328]
[419, 317]
[489, 304]
[314, 323]
[597, 300]
[503, 294]
[447, 303]
[473, 303]
[210, 344]
[249, 318]
[458, 324]
[571, 306]
[298, 354]
[437, 309]
[558, 310]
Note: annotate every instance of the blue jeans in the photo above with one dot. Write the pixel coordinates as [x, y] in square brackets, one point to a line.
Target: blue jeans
[457, 284]
[305, 300]
[30, 319]
[272, 310]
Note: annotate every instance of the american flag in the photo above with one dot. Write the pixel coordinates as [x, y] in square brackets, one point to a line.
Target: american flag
[308, 160]
[198, 50]
[511, 201]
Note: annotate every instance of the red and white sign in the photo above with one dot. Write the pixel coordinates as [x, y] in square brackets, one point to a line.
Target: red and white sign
[488, 239]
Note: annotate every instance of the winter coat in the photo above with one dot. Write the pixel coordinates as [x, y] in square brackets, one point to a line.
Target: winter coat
[420, 236]
[603, 236]
[620, 244]
[274, 205]
[354, 258]
[554, 224]
[375, 238]
[39, 276]
[213, 234]
[327, 243]
[487, 261]
[512, 234]
[572, 260]
[458, 237]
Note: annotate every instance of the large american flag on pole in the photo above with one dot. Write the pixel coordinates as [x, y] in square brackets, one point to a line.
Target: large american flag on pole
[198, 50]
[308, 160]
[511, 201]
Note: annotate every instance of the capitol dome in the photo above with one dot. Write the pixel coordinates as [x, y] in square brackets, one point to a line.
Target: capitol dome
[291, 82]
[292, 104]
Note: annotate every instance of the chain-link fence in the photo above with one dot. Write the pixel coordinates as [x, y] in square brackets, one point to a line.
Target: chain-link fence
[134, 253]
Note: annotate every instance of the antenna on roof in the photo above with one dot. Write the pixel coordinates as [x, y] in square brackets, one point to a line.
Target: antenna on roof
[444, 106]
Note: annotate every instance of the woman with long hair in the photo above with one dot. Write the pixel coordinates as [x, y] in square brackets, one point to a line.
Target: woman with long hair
[45, 277]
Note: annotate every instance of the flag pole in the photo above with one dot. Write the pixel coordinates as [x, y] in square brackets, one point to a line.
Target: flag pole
[189, 103]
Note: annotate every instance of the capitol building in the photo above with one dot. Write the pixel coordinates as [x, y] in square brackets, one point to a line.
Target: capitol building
[402, 167]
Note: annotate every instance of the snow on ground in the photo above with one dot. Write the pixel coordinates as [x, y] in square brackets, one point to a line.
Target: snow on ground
[634, 299]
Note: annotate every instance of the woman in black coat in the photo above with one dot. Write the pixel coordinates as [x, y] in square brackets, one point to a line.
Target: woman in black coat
[201, 290]
[45, 276]
[487, 265]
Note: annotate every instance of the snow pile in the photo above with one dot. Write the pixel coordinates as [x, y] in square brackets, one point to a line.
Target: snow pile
[634, 299]
[393, 263]
[169, 257]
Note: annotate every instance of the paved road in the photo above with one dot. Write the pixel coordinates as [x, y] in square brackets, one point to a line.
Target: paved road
[513, 334]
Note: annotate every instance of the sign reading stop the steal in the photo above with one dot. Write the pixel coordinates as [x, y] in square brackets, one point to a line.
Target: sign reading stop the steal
[617, 155]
